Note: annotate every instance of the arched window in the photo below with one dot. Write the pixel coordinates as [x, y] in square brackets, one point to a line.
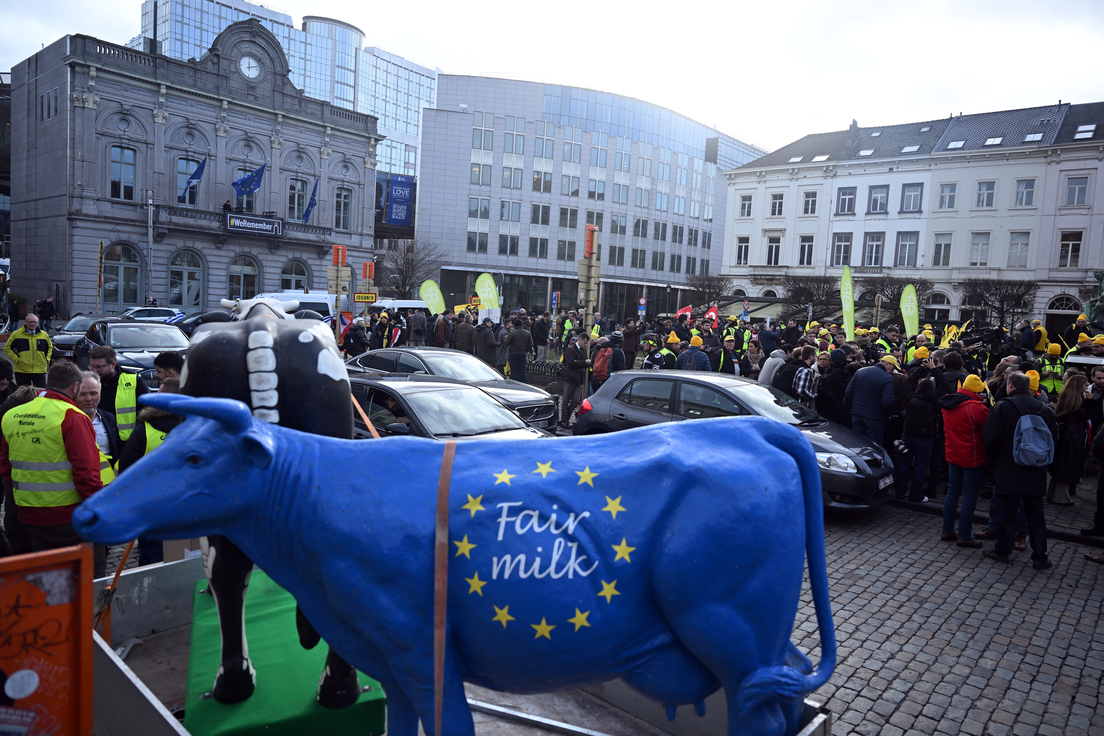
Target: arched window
[122, 279]
[248, 201]
[739, 293]
[187, 194]
[770, 294]
[295, 276]
[938, 309]
[243, 278]
[1064, 303]
[867, 296]
[186, 282]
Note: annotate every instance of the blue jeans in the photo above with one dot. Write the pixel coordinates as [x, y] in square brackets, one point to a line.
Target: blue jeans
[995, 505]
[517, 367]
[967, 483]
[869, 428]
[911, 466]
[1036, 525]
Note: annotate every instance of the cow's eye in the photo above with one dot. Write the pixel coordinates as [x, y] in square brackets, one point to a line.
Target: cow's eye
[195, 460]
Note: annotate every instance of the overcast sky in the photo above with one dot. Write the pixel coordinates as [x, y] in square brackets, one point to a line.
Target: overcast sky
[765, 72]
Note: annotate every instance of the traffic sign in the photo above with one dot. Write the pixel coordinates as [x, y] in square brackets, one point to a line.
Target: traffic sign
[643, 302]
[747, 305]
[475, 302]
[555, 300]
[363, 297]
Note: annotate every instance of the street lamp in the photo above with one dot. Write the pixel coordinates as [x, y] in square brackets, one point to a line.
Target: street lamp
[667, 304]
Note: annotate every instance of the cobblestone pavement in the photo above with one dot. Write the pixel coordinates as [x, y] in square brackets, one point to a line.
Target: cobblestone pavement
[935, 639]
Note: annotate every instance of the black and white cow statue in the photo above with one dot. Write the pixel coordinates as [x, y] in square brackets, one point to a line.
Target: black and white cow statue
[286, 367]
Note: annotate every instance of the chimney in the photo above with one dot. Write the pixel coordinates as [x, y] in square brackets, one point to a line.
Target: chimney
[852, 134]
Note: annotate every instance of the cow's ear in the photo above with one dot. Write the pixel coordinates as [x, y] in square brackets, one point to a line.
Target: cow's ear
[259, 448]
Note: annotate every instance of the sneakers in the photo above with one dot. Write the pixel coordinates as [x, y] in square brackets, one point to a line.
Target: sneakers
[972, 543]
[986, 533]
[992, 555]
[1044, 565]
[945, 537]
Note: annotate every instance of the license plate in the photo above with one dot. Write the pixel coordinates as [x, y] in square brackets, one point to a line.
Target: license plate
[886, 481]
[542, 423]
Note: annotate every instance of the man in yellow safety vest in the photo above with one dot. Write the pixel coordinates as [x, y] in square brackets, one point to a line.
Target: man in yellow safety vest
[119, 390]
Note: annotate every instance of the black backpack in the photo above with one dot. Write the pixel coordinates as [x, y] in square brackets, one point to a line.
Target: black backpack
[784, 378]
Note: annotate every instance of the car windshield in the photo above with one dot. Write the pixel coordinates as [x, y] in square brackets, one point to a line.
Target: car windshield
[462, 411]
[78, 324]
[143, 336]
[460, 366]
[769, 402]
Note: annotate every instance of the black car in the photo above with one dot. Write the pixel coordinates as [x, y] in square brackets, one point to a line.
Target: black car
[855, 473]
[72, 331]
[433, 407]
[136, 344]
[534, 405]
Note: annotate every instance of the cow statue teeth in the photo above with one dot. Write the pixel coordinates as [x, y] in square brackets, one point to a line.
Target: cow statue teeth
[572, 561]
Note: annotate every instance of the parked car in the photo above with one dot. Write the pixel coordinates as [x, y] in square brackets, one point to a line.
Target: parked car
[152, 314]
[534, 405]
[856, 474]
[189, 324]
[434, 407]
[136, 344]
[73, 330]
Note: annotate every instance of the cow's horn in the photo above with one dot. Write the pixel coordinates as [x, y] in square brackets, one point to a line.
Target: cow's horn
[234, 414]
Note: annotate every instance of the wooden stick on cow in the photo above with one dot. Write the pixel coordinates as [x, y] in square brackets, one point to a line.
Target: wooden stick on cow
[569, 564]
[288, 370]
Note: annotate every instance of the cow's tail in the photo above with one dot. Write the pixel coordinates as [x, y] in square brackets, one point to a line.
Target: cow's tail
[796, 678]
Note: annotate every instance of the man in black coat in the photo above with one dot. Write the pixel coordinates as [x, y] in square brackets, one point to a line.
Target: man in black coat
[575, 362]
[1017, 483]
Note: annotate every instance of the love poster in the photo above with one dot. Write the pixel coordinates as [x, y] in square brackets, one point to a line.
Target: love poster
[46, 643]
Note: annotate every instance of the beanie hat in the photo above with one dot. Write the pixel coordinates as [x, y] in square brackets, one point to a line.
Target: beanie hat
[823, 345]
[673, 339]
[7, 370]
[696, 341]
[1083, 338]
[921, 353]
[973, 383]
[1082, 317]
[1054, 349]
[838, 356]
[1098, 340]
[1034, 376]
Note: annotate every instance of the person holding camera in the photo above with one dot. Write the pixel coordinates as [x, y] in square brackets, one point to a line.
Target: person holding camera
[918, 438]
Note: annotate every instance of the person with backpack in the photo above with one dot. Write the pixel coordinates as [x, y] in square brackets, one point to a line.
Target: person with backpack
[693, 359]
[1019, 437]
[600, 366]
[1072, 444]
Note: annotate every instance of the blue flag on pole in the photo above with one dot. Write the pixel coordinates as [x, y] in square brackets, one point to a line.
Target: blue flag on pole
[249, 183]
[312, 203]
[192, 180]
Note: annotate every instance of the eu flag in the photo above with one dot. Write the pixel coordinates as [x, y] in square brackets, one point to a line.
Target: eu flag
[249, 183]
[312, 203]
[192, 180]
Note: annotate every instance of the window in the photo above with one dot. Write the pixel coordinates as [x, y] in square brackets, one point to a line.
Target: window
[777, 200]
[482, 131]
[699, 402]
[1075, 190]
[621, 193]
[643, 198]
[648, 393]
[1070, 254]
[569, 217]
[186, 194]
[477, 242]
[925, 129]
[910, 149]
[707, 240]
[569, 186]
[572, 152]
[297, 198]
[248, 200]
[1025, 192]
[515, 142]
[595, 218]
[542, 181]
[186, 281]
[1084, 132]
[507, 244]
[598, 156]
[692, 241]
[122, 173]
[619, 224]
[979, 249]
[122, 278]
[994, 141]
[677, 233]
[879, 200]
[541, 214]
[941, 256]
[659, 231]
[343, 209]
[1017, 250]
[481, 174]
[680, 206]
[680, 175]
[774, 250]
[509, 211]
[479, 208]
[616, 255]
[538, 247]
[821, 157]
[872, 249]
[640, 227]
[703, 268]
[1032, 137]
[846, 201]
[985, 193]
[544, 144]
[947, 196]
[810, 203]
[294, 276]
[745, 205]
[511, 178]
[956, 144]
[638, 258]
[242, 277]
[596, 190]
[691, 265]
[565, 250]
[866, 152]
[662, 200]
[676, 263]
[841, 250]
[938, 311]
[795, 159]
[805, 256]
[622, 158]
[657, 260]
[907, 246]
[911, 196]
[743, 244]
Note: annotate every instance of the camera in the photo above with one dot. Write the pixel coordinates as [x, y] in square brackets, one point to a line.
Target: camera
[900, 448]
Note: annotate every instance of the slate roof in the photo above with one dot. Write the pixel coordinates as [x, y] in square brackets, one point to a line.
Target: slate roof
[889, 141]
[1011, 126]
[1079, 115]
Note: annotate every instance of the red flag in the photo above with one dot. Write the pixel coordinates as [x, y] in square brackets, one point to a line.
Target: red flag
[685, 310]
[712, 313]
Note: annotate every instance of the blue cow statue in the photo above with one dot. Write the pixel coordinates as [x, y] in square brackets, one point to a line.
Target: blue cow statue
[571, 561]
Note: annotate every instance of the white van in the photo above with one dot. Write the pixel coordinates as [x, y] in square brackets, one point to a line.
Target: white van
[398, 304]
[318, 301]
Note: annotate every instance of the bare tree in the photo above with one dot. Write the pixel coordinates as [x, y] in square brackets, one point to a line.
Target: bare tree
[708, 289]
[1004, 301]
[890, 289]
[406, 264]
[822, 291]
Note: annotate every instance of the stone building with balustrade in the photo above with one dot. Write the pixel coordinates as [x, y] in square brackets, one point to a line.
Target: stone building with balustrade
[105, 141]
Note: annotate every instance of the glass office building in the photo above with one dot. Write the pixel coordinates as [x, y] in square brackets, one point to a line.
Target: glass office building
[328, 62]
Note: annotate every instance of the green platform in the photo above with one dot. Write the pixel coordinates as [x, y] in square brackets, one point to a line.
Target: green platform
[287, 675]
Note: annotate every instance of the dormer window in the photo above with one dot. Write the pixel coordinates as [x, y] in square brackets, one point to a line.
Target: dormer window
[956, 144]
[875, 135]
[795, 159]
[910, 149]
[994, 141]
[822, 157]
[867, 152]
[1084, 132]
[925, 129]
[1032, 137]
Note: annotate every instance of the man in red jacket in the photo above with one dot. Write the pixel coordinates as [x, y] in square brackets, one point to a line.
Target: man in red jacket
[964, 415]
[49, 457]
